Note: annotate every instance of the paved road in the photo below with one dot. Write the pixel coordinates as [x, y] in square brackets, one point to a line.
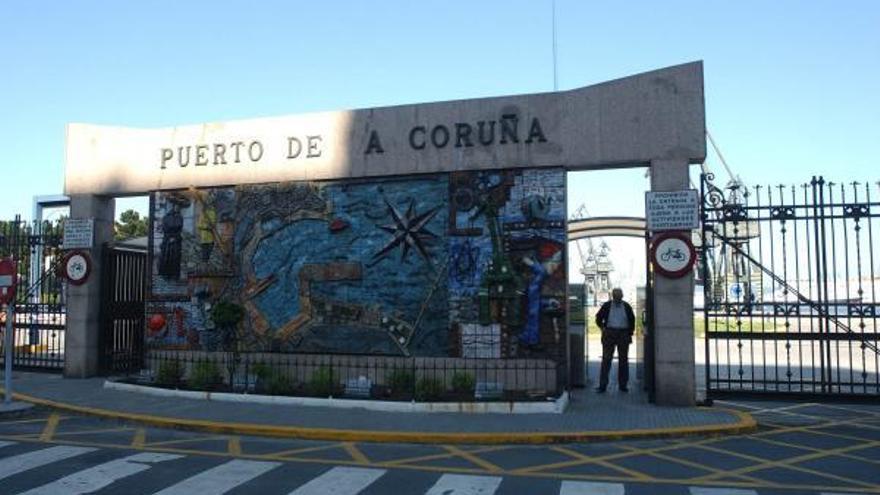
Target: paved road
[800, 448]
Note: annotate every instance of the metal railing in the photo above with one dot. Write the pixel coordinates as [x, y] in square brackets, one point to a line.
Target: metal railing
[791, 288]
[40, 306]
[422, 379]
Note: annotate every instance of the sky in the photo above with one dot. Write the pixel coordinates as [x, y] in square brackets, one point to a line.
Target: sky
[792, 87]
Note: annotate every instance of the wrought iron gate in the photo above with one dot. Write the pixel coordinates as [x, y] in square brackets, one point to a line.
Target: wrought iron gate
[122, 323]
[40, 306]
[790, 278]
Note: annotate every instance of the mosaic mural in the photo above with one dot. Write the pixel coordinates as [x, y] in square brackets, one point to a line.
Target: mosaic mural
[465, 264]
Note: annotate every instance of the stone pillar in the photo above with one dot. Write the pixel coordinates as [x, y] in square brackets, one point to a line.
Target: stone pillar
[81, 351]
[673, 304]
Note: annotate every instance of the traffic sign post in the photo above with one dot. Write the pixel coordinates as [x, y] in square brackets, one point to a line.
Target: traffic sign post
[8, 281]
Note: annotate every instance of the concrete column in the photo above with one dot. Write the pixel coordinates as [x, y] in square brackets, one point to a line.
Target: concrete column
[673, 303]
[81, 351]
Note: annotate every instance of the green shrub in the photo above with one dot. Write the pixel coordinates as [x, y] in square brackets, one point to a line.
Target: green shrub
[270, 380]
[463, 382]
[262, 371]
[428, 389]
[322, 383]
[400, 380]
[205, 375]
[278, 383]
[170, 373]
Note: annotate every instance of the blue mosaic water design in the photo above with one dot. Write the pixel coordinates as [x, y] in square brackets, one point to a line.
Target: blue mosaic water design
[393, 285]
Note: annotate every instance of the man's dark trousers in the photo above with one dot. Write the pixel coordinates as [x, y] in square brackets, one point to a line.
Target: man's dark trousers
[615, 338]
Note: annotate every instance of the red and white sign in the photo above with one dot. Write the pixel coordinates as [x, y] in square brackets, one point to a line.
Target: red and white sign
[7, 281]
[673, 254]
[77, 266]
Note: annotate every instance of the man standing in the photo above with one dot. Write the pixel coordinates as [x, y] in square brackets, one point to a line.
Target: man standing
[617, 321]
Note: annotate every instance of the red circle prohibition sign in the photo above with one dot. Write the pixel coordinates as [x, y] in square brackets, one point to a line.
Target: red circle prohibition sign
[673, 254]
[77, 267]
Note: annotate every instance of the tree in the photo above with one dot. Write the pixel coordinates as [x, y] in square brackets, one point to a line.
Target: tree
[130, 225]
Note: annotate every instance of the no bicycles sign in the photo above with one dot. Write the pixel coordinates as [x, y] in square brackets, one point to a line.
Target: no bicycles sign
[673, 254]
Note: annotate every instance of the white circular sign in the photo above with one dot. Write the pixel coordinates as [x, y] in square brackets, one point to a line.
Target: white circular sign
[77, 267]
[673, 255]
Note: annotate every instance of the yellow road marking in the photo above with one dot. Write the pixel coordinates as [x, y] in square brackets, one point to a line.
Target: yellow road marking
[786, 444]
[24, 421]
[445, 469]
[786, 429]
[712, 448]
[233, 447]
[685, 462]
[852, 410]
[49, 429]
[355, 453]
[302, 450]
[472, 458]
[595, 460]
[785, 409]
[863, 424]
[139, 439]
[578, 459]
[832, 434]
[86, 432]
[434, 457]
[209, 438]
[791, 463]
[797, 446]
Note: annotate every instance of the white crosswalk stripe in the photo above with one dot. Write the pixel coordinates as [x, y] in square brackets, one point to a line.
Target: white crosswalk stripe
[340, 481]
[97, 477]
[461, 484]
[699, 490]
[591, 488]
[32, 460]
[220, 479]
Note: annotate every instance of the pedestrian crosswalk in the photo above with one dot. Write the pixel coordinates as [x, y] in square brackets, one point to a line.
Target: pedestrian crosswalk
[32, 460]
[343, 480]
[37, 469]
[218, 480]
[97, 477]
[465, 485]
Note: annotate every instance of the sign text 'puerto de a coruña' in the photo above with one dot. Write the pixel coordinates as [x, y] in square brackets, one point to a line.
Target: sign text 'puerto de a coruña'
[507, 130]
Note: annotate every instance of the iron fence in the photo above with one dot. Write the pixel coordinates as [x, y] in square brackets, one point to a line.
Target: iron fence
[422, 379]
[790, 286]
[123, 289]
[40, 305]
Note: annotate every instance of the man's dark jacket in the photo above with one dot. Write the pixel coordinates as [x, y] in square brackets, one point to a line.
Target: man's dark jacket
[602, 316]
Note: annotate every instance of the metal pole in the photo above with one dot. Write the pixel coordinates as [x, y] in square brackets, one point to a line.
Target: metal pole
[555, 77]
[7, 348]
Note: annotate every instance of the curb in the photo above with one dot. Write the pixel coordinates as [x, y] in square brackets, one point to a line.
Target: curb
[555, 407]
[745, 424]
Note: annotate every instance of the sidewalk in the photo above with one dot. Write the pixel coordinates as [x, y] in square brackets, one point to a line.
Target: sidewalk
[610, 416]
